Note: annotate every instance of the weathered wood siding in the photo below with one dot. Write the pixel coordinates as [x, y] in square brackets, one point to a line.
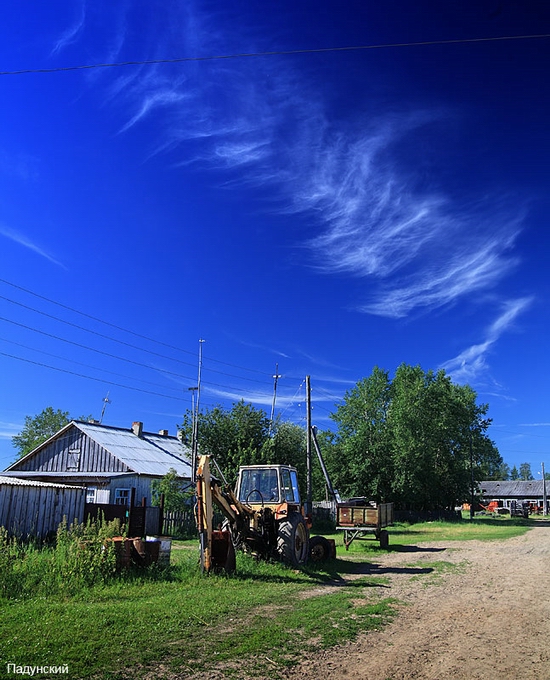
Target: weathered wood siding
[141, 483]
[74, 452]
[36, 510]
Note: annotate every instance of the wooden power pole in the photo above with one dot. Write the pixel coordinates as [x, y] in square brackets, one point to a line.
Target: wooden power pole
[309, 486]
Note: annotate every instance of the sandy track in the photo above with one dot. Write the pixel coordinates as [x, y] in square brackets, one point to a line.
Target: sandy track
[486, 619]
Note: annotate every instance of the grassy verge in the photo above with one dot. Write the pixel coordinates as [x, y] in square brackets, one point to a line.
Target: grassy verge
[157, 621]
[187, 622]
[403, 535]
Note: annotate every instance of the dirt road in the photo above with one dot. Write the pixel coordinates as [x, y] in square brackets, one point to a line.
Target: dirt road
[483, 613]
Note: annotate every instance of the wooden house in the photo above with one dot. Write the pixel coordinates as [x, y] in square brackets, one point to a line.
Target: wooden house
[111, 463]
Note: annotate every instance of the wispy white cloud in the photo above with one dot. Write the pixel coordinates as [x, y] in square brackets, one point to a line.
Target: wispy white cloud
[9, 430]
[149, 104]
[469, 262]
[24, 241]
[255, 345]
[269, 125]
[470, 364]
[251, 396]
[534, 424]
[71, 34]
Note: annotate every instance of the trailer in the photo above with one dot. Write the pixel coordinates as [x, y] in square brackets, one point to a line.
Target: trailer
[359, 520]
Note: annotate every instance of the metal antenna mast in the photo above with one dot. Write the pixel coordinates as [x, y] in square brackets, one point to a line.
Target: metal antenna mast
[275, 380]
[194, 442]
[106, 401]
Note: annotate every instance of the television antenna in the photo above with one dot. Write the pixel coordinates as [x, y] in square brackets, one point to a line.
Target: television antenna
[106, 401]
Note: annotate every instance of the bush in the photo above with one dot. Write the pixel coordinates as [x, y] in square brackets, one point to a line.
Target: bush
[84, 555]
[81, 557]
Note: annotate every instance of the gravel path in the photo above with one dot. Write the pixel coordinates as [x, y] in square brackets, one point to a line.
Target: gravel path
[486, 618]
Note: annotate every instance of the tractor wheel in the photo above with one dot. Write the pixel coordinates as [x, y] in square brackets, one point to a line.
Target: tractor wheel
[384, 539]
[293, 540]
[236, 539]
[319, 549]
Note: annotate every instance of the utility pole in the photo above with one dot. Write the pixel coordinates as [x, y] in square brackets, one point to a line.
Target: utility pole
[471, 479]
[193, 419]
[544, 502]
[275, 380]
[195, 440]
[309, 490]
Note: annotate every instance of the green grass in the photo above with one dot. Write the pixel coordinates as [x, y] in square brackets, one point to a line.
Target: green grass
[257, 621]
[403, 535]
[185, 620]
[433, 572]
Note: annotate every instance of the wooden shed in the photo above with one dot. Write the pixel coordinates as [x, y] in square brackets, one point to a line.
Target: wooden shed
[31, 508]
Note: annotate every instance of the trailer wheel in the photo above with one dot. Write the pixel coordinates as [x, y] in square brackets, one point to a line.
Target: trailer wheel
[384, 539]
[319, 549]
[293, 540]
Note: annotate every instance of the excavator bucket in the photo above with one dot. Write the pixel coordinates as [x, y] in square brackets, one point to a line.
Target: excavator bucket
[216, 546]
[223, 552]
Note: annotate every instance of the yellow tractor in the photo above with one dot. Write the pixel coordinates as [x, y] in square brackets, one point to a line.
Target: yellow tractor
[263, 516]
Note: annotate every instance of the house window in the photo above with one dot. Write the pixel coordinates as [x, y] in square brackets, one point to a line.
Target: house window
[122, 497]
[73, 460]
[90, 494]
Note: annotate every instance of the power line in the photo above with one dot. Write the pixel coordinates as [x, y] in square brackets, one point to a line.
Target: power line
[88, 330]
[89, 377]
[77, 344]
[102, 380]
[95, 368]
[272, 53]
[111, 356]
[115, 326]
[120, 342]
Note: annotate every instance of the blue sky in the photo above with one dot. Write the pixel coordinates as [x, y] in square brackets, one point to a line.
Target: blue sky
[326, 211]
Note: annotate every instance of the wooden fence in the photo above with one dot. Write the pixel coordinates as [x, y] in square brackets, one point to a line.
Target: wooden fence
[36, 509]
[179, 524]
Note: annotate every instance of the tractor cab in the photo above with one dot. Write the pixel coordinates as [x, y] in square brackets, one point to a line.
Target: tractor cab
[268, 485]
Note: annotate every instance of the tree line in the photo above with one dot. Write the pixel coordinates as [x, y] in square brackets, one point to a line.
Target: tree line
[416, 439]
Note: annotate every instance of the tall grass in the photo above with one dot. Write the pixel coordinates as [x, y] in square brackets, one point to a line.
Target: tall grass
[81, 556]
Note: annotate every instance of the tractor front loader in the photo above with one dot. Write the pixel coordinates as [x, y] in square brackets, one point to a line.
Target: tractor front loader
[264, 516]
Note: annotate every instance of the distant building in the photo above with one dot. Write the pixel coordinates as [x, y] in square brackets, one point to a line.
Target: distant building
[520, 491]
[112, 463]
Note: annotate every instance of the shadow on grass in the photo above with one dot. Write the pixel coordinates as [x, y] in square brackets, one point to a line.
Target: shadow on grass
[413, 548]
[498, 522]
[336, 572]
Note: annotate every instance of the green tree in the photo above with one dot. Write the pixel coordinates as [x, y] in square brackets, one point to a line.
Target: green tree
[409, 439]
[177, 492]
[39, 428]
[514, 474]
[244, 435]
[525, 473]
[503, 473]
[357, 454]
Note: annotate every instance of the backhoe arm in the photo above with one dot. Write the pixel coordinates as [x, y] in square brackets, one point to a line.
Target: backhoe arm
[216, 545]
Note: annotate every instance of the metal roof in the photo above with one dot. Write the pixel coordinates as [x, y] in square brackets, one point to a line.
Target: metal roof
[15, 481]
[45, 474]
[150, 454]
[516, 488]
